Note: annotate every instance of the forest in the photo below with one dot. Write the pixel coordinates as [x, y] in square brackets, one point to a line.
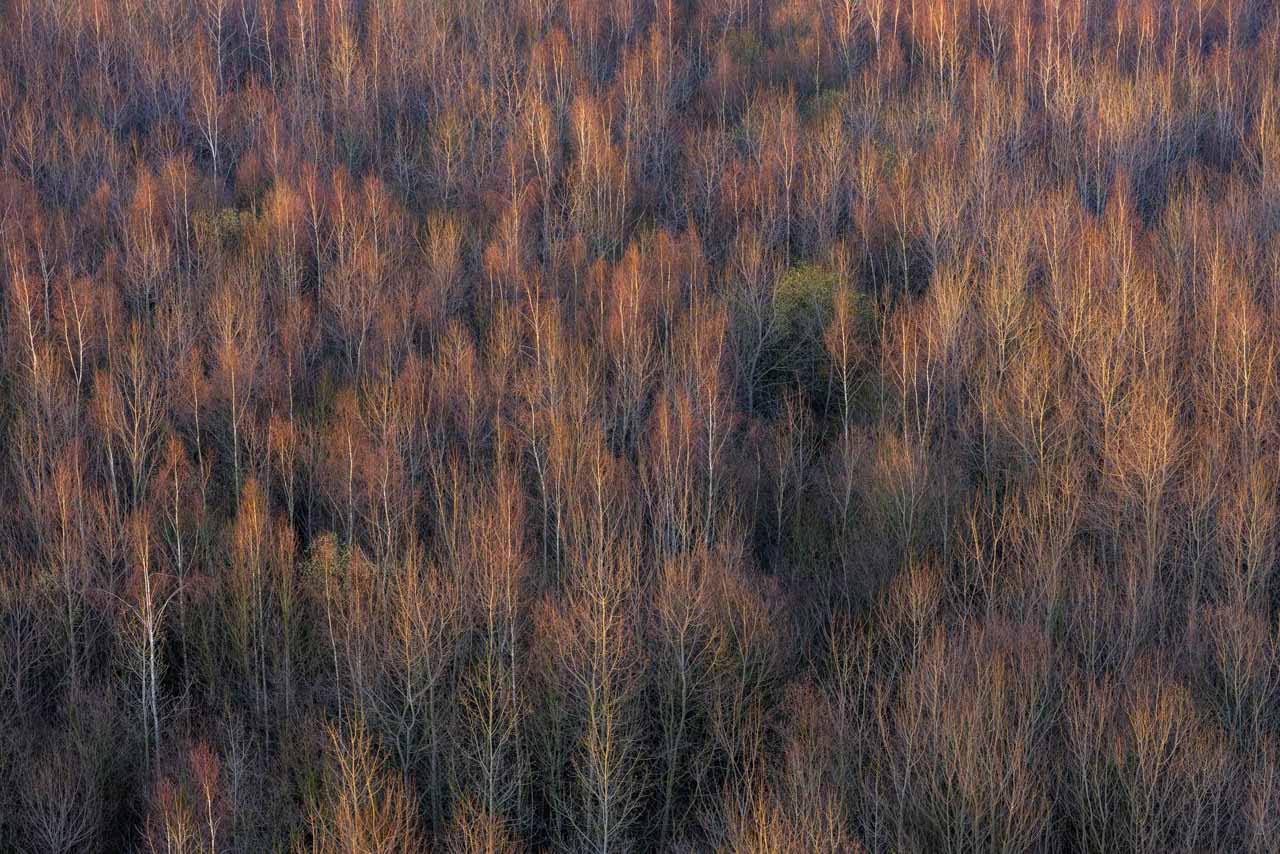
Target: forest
[611, 426]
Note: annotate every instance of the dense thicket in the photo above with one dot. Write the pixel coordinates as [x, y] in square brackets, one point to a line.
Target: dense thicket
[493, 425]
